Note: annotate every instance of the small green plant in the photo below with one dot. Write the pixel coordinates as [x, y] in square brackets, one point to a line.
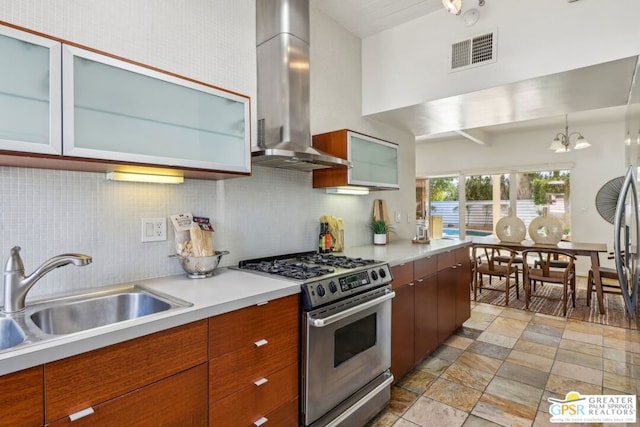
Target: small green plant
[378, 226]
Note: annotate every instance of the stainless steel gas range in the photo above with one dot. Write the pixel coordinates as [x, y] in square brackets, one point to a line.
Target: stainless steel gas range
[345, 334]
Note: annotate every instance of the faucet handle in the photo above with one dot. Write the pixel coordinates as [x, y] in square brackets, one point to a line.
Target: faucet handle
[14, 262]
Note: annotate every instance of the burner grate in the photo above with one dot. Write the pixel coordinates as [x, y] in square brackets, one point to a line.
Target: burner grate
[340, 261]
[293, 269]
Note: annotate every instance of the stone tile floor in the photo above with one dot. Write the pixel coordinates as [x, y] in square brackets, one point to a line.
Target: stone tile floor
[500, 368]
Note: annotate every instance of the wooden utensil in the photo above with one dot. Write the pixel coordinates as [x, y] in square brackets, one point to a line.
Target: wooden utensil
[201, 241]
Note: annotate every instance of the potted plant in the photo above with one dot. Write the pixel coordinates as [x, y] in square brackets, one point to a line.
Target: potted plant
[380, 230]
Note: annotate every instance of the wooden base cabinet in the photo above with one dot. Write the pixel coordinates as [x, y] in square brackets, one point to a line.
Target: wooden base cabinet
[426, 317]
[432, 301]
[463, 285]
[239, 368]
[89, 379]
[180, 400]
[402, 330]
[402, 320]
[21, 398]
[253, 370]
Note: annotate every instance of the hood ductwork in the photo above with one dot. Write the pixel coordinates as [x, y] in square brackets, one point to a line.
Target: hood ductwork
[284, 133]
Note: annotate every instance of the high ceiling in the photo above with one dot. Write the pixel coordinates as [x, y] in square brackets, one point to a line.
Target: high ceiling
[593, 94]
[366, 17]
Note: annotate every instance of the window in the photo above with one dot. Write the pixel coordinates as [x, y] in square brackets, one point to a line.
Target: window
[488, 197]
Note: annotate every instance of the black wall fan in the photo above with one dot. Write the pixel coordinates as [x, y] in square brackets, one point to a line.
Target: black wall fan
[607, 198]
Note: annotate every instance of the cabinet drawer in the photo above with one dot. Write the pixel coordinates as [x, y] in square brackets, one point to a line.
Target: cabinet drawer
[254, 402]
[21, 398]
[180, 400]
[285, 416]
[402, 274]
[241, 328]
[424, 267]
[240, 369]
[446, 260]
[77, 382]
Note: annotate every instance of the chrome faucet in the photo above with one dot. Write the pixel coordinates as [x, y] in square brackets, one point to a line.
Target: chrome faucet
[17, 285]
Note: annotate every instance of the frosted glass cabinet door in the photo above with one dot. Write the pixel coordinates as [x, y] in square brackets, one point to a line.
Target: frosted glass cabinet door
[375, 162]
[30, 103]
[115, 110]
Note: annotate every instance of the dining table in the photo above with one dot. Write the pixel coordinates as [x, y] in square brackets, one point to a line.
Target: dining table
[591, 250]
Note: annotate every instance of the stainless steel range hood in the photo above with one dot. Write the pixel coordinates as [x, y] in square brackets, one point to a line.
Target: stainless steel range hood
[284, 132]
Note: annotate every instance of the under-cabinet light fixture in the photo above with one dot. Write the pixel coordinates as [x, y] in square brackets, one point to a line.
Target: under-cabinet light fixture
[144, 177]
[358, 191]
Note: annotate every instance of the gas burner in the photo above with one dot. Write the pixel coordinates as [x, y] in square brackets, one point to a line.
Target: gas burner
[287, 268]
[340, 261]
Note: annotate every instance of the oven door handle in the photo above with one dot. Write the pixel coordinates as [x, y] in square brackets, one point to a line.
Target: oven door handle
[319, 323]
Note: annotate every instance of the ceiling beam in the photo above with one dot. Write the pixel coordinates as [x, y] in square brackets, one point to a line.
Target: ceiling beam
[477, 136]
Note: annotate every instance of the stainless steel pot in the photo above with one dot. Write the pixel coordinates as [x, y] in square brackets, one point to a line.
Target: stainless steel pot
[200, 267]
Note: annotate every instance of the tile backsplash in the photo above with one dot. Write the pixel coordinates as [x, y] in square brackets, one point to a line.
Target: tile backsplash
[49, 212]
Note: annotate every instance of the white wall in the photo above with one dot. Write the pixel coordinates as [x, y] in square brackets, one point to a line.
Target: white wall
[407, 65]
[274, 211]
[592, 167]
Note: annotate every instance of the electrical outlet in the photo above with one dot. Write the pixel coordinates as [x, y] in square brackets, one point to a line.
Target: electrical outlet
[398, 216]
[154, 229]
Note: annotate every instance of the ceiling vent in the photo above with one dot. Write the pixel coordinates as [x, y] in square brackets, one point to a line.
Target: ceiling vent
[473, 52]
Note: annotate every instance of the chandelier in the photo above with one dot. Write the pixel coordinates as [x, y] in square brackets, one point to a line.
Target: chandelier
[562, 142]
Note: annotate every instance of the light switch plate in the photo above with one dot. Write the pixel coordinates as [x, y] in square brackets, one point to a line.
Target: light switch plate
[398, 216]
[154, 229]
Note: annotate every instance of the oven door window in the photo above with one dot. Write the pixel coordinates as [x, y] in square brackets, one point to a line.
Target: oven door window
[354, 338]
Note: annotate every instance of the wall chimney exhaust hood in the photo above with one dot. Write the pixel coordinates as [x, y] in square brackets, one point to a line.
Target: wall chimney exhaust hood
[284, 131]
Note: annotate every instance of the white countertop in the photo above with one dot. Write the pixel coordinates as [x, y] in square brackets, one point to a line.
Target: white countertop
[405, 251]
[226, 291]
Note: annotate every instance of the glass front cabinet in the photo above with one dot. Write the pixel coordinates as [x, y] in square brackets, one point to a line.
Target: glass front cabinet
[115, 110]
[374, 162]
[88, 108]
[30, 118]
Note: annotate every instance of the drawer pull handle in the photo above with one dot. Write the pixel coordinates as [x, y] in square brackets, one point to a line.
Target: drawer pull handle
[261, 343]
[81, 414]
[260, 382]
[262, 303]
[260, 422]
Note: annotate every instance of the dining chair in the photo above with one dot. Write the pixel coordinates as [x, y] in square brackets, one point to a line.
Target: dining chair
[547, 271]
[556, 262]
[484, 263]
[608, 273]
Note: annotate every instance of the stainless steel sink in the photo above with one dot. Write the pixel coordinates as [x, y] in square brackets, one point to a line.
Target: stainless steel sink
[88, 311]
[10, 333]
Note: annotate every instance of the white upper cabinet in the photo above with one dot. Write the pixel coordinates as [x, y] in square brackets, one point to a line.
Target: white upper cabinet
[375, 162]
[30, 103]
[118, 111]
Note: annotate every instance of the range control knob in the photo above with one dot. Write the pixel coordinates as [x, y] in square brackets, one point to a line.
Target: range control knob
[320, 290]
[332, 287]
[383, 273]
[374, 275]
